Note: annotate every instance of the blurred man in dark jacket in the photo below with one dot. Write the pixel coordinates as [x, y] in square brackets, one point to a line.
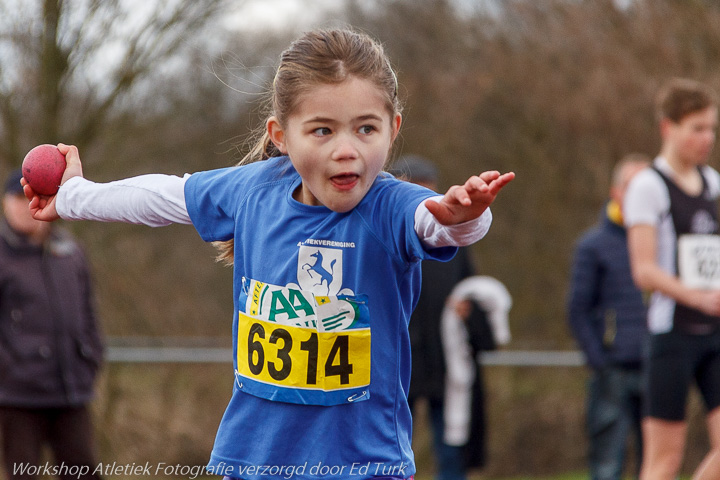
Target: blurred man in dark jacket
[607, 317]
[50, 345]
[428, 361]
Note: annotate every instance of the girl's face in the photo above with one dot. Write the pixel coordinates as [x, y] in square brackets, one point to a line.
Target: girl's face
[338, 140]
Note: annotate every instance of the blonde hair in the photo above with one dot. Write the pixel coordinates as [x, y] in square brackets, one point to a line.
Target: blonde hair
[319, 57]
[631, 161]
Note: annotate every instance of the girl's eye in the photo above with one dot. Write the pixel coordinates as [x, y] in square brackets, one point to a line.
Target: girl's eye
[366, 129]
[321, 132]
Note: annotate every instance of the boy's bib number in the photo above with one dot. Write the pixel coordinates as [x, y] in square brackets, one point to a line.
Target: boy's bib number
[294, 347]
[699, 261]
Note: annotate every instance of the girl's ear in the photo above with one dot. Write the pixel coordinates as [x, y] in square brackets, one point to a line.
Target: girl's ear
[396, 122]
[276, 134]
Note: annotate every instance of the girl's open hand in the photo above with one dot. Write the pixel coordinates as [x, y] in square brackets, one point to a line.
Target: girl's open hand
[467, 202]
[43, 207]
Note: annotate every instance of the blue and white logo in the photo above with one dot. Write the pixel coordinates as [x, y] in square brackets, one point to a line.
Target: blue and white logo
[320, 270]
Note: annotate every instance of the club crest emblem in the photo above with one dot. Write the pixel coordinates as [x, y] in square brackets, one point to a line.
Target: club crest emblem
[320, 270]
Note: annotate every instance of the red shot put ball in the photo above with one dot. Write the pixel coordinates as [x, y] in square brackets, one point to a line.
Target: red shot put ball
[43, 168]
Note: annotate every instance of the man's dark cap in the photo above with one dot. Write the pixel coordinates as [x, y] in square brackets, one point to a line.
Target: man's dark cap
[415, 168]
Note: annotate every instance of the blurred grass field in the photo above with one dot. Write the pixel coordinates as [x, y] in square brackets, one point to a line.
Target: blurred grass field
[170, 413]
[569, 476]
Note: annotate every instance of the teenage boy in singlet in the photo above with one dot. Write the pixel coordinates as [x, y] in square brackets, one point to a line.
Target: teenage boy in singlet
[671, 214]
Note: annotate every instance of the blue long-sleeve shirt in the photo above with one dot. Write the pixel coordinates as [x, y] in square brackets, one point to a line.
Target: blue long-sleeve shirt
[606, 311]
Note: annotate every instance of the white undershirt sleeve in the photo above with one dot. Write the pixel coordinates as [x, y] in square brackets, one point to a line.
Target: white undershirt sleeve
[154, 200]
[434, 235]
[158, 200]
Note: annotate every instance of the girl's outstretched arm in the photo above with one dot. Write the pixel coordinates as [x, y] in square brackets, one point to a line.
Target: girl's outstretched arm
[467, 202]
[155, 200]
[43, 207]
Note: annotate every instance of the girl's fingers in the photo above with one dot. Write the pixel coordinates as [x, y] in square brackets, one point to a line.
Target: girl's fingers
[489, 176]
[501, 181]
[491, 181]
[476, 183]
[461, 195]
[72, 158]
[507, 177]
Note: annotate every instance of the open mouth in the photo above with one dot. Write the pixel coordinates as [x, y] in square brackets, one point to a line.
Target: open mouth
[345, 181]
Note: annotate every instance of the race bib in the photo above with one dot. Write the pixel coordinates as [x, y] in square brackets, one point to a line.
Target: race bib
[293, 346]
[699, 261]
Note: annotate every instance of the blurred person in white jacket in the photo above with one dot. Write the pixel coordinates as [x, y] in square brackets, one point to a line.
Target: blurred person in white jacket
[474, 320]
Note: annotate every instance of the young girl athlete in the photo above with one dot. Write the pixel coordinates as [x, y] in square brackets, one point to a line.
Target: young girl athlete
[326, 251]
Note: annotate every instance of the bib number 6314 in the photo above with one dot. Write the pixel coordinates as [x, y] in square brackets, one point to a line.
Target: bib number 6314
[298, 357]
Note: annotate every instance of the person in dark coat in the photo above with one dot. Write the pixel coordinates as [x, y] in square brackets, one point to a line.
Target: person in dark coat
[607, 316]
[50, 345]
[427, 380]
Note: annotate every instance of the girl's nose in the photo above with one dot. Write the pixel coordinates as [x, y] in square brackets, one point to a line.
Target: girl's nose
[344, 148]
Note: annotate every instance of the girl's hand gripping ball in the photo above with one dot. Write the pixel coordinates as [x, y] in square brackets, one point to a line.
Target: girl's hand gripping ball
[43, 169]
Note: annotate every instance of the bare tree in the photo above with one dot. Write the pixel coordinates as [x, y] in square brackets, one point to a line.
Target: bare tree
[65, 66]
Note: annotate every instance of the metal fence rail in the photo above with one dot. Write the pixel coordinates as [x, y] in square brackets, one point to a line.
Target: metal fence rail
[201, 350]
[534, 358]
[168, 355]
